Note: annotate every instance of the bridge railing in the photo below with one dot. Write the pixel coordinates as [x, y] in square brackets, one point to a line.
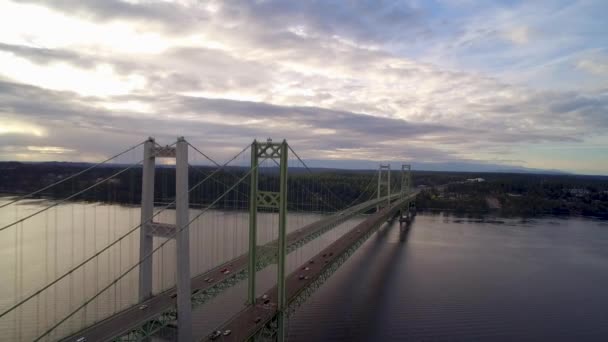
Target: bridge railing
[99, 274]
[50, 230]
[98, 277]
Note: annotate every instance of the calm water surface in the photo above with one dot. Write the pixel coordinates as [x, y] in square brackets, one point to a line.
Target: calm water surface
[445, 279]
[41, 249]
[455, 279]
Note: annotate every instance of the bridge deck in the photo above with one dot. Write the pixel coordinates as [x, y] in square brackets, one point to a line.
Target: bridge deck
[249, 321]
[133, 317]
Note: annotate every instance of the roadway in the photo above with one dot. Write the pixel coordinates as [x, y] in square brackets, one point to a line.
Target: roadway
[129, 319]
[253, 318]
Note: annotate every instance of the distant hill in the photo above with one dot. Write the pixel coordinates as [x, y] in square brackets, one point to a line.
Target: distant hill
[353, 166]
[442, 167]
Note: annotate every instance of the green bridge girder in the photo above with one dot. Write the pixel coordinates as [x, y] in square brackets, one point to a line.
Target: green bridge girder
[265, 256]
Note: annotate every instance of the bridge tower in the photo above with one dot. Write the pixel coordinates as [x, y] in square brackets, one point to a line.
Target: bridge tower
[271, 200]
[405, 214]
[386, 181]
[406, 179]
[179, 230]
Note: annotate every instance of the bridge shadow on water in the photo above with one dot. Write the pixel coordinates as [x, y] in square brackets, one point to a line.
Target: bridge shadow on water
[354, 297]
[445, 280]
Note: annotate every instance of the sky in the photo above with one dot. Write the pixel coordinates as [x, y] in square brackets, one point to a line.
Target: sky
[484, 84]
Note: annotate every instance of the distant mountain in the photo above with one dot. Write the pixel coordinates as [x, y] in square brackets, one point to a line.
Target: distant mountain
[421, 166]
[319, 164]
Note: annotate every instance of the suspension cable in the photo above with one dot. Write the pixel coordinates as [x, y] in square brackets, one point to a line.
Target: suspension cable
[177, 230]
[203, 154]
[74, 194]
[312, 191]
[71, 176]
[216, 164]
[309, 170]
[216, 180]
[363, 192]
[16, 305]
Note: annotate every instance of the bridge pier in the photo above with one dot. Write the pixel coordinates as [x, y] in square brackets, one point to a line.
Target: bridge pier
[406, 181]
[410, 213]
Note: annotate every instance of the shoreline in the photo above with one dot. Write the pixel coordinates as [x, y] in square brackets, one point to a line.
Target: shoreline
[497, 214]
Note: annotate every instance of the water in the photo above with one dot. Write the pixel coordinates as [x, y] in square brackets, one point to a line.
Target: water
[455, 279]
[447, 278]
[41, 249]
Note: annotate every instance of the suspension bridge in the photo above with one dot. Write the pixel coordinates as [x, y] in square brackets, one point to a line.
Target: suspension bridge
[167, 246]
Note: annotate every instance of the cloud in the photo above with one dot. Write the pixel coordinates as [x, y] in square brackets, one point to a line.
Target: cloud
[534, 43]
[100, 79]
[518, 35]
[21, 128]
[597, 65]
[218, 121]
[314, 17]
[223, 125]
[339, 80]
[46, 56]
[172, 16]
[49, 149]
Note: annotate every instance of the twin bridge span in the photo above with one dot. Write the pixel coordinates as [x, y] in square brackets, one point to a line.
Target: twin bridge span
[78, 268]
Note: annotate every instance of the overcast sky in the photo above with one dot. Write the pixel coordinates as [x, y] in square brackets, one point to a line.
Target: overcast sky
[515, 83]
